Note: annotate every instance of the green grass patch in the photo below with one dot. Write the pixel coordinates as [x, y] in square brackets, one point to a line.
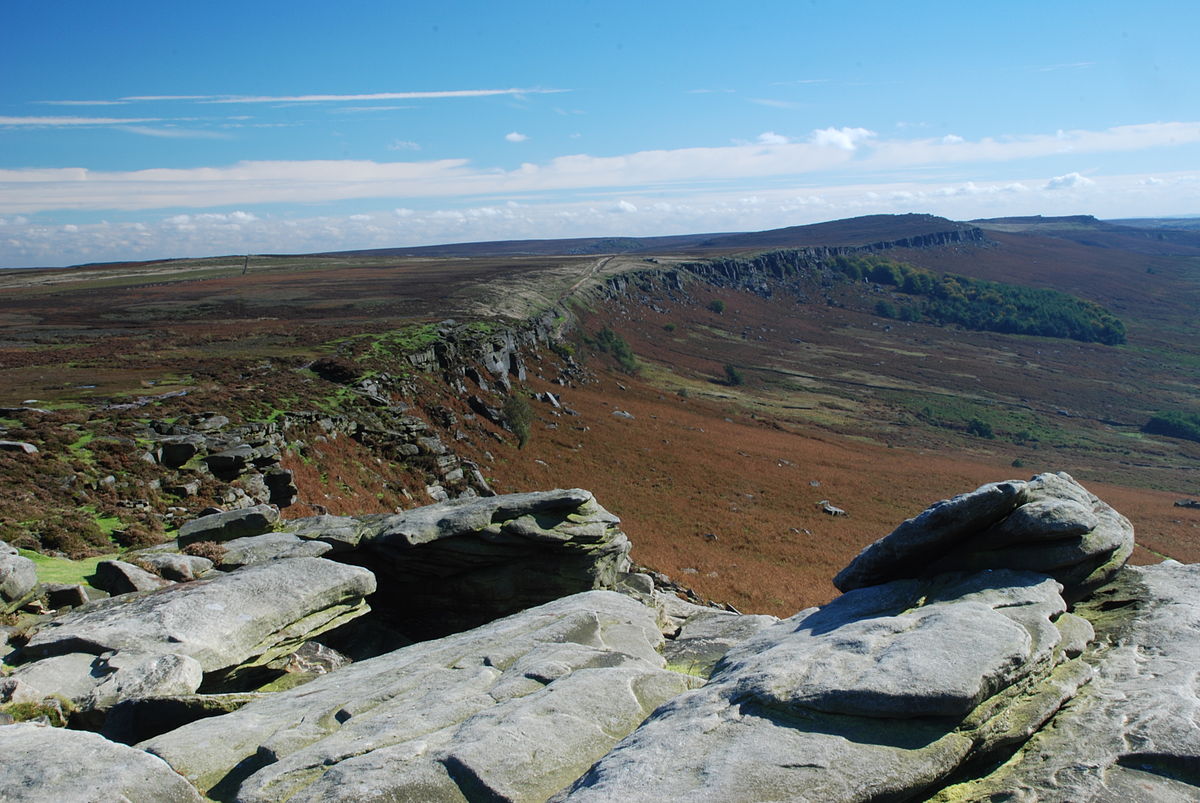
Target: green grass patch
[64, 570]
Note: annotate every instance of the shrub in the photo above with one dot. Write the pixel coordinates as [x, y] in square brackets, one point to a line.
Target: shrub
[717, 306]
[610, 342]
[980, 428]
[733, 375]
[668, 327]
[206, 549]
[518, 416]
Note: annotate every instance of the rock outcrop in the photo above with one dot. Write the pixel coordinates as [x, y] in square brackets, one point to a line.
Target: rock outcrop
[18, 576]
[995, 647]
[513, 711]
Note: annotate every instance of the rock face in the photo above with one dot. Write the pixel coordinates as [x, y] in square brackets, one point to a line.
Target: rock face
[52, 765]
[229, 525]
[513, 711]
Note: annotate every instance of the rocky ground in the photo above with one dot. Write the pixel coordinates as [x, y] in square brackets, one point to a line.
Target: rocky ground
[995, 646]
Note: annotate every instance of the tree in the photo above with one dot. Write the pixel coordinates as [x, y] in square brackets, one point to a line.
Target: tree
[518, 416]
[717, 306]
[733, 375]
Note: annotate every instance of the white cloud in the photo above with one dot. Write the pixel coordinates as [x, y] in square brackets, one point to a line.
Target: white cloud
[952, 139]
[775, 104]
[403, 145]
[450, 93]
[174, 133]
[26, 242]
[514, 136]
[1069, 181]
[29, 190]
[81, 102]
[72, 121]
[771, 138]
[846, 139]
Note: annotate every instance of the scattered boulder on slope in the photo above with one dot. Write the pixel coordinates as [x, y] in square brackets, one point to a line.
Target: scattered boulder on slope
[119, 577]
[229, 525]
[53, 765]
[18, 575]
[513, 710]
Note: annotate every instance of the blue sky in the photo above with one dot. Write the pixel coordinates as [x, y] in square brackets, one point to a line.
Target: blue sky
[137, 130]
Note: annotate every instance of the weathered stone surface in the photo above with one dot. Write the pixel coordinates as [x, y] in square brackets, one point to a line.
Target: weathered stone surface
[53, 765]
[119, 577]
[706, 636]
[1050, 524]
[229, 525]
[879, 694]
[511, 711]
[18, 576]
[174, 566]
[222, 621]
[341, 532]
[1131, 734]
[18, 446]
[271, 546]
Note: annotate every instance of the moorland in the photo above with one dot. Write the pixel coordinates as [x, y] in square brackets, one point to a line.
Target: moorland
[709, 399]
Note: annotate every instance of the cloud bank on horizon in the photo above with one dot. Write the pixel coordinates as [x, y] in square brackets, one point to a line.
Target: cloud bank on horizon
[462, 135]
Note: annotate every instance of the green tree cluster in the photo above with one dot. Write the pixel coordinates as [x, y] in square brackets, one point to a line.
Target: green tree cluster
[1174, 424]
[983, 305]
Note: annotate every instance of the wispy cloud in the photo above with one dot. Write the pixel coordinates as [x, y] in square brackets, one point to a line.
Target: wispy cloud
[174, 133]
[81, 102]
[74, 121]
[449, 93]
[775, 104]
[711, 91]
[801, 82]
[1076, 65]
[403, 145]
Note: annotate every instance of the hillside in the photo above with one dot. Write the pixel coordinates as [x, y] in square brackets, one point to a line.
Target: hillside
[717, 484]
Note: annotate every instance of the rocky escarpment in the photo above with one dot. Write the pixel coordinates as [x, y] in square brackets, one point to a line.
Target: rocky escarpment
[994, 647]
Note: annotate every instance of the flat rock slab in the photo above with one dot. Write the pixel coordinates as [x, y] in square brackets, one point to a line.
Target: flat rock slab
[878, 695]
[514, 710]
[1132, 733]
[221, 621]
[53, 765]
[270, 546]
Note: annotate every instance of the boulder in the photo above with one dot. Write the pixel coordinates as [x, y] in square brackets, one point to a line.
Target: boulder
[258, 613]
[119, 577]
[18, 446]
[65, 595]
[705, 637]
[457, 564]
[341, 532]
[18, 575]
[227, 525]
[513, 710]
[174, 566]
[52, 765]
[1049, 524]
